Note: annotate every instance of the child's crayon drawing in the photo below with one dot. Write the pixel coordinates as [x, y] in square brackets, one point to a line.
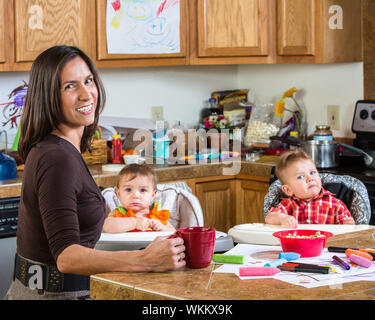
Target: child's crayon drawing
[143, 26]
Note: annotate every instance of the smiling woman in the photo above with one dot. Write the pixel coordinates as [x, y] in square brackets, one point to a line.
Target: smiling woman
[62, 210]
[79, 96]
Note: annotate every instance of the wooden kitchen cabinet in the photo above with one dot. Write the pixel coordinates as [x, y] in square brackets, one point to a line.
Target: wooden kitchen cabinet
[35, 25]
[2, 32]
[104, 59]
[295, 27]
[250, 193]
[211, 32]
[231, 31]
[231, 200]
[40, 24]
[275, 31]
[218, 203]
[318, 31]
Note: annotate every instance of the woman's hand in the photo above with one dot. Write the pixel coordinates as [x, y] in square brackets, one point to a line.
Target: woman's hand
[164, 254]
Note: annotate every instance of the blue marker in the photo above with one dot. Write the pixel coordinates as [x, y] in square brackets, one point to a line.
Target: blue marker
[342, 264]
[275, 263]
[290, 256]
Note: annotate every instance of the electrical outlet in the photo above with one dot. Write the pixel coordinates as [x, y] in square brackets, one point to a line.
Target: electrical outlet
[157, 113]
[333, 117]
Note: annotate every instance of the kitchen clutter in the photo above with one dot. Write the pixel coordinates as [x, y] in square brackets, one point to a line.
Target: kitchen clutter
[230, 126]
[262, 124]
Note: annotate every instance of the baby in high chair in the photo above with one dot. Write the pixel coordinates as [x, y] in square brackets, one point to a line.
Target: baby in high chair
[308, 201]
[136, 190]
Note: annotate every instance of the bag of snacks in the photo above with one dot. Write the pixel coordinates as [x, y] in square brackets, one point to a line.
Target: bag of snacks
[263, 124]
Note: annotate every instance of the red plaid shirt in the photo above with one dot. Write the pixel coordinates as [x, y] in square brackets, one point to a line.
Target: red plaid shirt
[323, 209]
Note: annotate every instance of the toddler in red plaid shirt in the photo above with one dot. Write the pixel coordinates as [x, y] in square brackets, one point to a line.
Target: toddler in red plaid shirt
[307, 202]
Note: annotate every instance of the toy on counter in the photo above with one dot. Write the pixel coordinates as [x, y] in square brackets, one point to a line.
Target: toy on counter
[258, 271]
[222, 155]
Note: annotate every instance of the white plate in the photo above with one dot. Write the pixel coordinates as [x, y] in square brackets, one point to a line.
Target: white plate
[260, 233]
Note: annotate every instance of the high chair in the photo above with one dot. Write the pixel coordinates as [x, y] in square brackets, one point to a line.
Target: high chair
[185, 211]
[348, 189]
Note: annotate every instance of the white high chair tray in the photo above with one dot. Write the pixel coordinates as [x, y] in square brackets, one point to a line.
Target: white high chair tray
[261, 233]
[132, 236]
[127, 240]
[140, 240]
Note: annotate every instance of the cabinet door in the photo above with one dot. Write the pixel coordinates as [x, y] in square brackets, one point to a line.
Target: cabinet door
[217, 201]
[342, 30]
[40, 24]
[233, 28]
[295, 27]
[250, 201]
[2, 31]
[148, 32]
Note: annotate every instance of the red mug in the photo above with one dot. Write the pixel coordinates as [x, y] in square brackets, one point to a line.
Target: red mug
[199, 245]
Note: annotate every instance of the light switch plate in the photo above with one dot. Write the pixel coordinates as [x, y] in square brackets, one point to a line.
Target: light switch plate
[333, 117]
[157, 113]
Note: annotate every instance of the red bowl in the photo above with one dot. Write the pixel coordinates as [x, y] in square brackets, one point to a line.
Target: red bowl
[310, 247]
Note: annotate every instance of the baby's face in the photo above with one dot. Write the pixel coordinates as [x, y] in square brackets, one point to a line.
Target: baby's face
[136, 194]
[301, 179]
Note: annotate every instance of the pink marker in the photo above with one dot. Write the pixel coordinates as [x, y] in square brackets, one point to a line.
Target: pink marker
[258, 271]
[360, 261]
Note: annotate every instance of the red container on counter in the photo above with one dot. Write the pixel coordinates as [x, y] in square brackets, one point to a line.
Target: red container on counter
[307, 247]
[116, 149]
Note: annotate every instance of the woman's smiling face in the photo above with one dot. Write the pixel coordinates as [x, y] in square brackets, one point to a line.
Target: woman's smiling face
[301, 179]
[79, 94]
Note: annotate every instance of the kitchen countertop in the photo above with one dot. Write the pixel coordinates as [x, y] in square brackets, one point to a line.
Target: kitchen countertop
[204, 284]
[353, 166]
[12, 188]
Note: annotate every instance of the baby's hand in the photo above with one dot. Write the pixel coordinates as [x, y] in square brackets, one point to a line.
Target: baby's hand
[142, 223]
[289, 221]
[348, 220]
[156, 225]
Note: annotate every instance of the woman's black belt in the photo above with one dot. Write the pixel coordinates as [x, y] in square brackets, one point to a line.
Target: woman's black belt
[47, 277]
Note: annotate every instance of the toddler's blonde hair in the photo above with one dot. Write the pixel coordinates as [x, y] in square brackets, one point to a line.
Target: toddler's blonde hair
[287, 158]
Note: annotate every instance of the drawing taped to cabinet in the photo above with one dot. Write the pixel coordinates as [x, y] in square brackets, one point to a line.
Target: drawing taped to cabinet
[143, 27]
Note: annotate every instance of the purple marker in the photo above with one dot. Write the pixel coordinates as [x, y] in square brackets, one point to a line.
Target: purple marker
[341, 263]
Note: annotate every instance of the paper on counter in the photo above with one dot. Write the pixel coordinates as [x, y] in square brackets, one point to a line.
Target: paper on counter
[257, 257]
[247, 250]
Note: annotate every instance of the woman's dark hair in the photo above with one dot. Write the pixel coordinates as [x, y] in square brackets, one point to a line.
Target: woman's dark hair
[42, 111]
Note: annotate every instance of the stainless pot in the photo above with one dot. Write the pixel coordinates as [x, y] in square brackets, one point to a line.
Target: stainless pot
[325, 154]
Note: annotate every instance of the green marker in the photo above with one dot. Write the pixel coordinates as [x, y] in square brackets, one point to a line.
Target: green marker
[228, 258]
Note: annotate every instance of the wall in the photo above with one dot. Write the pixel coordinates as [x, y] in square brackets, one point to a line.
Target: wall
[183, 90]
[8, 82]
[320, 85]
